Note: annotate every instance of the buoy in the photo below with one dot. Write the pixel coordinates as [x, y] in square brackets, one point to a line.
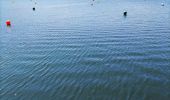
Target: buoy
[8, 23]
[33, 8]
[125, 13]
[162, 4]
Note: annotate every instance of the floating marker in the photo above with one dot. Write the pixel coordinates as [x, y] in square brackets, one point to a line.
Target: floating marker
[8, 23]
[162, 4]
[125, 13]
[33, 8]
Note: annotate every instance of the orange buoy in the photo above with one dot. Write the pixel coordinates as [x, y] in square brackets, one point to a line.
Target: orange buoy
[8, 23]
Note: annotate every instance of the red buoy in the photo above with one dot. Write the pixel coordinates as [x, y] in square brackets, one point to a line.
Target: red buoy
[8, 23]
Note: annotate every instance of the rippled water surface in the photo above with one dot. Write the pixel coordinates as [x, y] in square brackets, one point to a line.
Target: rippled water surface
[70, 50]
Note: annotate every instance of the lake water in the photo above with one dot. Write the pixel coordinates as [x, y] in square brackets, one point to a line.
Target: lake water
[70, 50]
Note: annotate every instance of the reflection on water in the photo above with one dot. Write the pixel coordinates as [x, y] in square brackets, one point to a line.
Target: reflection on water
[70, 50]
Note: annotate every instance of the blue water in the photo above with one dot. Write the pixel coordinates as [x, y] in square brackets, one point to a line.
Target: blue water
[71, 50]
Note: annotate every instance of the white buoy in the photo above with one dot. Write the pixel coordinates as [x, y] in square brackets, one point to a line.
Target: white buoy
[162, 4]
